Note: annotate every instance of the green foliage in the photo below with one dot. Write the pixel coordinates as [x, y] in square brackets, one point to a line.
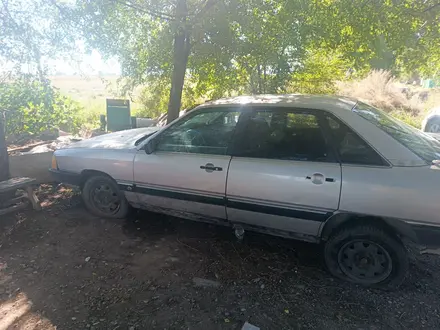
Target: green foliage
[31, 32]
[392, 35]
[319, 72]
[35, 107]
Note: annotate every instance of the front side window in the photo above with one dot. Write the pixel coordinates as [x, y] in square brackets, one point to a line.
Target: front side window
[418, 142]
[205, 132]
[286, 135]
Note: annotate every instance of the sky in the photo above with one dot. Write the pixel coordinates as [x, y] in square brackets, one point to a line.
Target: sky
[90, 64]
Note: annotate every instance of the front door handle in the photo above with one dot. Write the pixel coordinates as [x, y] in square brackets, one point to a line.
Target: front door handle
[318, 178]
[211, 168]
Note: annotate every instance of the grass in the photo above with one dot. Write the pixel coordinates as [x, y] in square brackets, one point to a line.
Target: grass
[91, 93]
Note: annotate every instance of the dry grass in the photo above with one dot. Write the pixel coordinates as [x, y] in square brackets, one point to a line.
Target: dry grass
[405, 102]
[382, 90]
[91, 92]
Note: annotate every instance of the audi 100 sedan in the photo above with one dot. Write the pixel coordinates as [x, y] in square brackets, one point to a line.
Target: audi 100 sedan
[321, 169]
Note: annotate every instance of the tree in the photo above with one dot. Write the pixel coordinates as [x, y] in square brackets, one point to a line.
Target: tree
[30, 34]
[216, 45]
[151, 39]
[396, 35]
[194, 49]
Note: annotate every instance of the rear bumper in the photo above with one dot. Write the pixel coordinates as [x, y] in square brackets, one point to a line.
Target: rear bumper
[427, 235]
[65, 177]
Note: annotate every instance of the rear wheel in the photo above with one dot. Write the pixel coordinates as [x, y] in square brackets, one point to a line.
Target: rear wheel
[103, 198]
[368, 256]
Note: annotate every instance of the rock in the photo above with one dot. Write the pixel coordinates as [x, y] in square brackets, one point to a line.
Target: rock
[172, 259]
[248, 326]
[431, 251]
[203, 282]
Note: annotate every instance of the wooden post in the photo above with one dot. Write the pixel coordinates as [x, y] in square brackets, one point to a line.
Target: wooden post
[4, 158]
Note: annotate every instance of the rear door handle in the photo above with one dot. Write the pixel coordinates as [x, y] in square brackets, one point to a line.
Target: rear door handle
[211, 168]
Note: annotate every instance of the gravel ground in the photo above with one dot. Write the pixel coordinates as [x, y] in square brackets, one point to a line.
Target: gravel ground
[63, 268]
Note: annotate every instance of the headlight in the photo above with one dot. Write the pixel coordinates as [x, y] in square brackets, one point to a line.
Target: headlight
[54, 163]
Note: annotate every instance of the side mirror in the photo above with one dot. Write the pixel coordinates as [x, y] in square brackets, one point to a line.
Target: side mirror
[150, 146]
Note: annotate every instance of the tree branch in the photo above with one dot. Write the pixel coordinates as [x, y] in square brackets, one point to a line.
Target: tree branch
[150, 12]
[431, 7]
[208, 5]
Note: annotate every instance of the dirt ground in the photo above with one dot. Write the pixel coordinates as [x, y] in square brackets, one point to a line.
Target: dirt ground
[63, 268]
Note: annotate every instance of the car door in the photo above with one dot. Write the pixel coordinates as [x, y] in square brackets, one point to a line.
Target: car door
[186, 173]
[283, 174]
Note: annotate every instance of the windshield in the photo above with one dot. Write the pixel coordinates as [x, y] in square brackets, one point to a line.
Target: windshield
[423, 145]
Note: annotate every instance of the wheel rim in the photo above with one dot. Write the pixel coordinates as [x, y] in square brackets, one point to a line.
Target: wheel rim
[365, 261]
[105, 198]
[434, 128]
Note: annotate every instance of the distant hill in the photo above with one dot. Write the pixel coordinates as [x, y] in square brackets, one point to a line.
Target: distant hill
[85, 88]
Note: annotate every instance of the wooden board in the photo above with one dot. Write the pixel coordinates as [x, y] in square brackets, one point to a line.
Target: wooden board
[15, 183]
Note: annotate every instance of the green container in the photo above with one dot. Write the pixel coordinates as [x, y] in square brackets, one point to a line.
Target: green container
[428, 83]
[118, 115]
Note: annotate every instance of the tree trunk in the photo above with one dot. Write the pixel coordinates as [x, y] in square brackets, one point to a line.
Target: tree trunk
[260, 87]
[181, 50]
[4, 159]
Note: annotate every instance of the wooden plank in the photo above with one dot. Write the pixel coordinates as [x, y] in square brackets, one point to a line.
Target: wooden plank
[14, 208]
[30, 146]
[33, 198]
[15, 183]
[14, 200]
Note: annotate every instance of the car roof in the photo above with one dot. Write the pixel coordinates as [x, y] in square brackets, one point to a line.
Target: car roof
[322, 102]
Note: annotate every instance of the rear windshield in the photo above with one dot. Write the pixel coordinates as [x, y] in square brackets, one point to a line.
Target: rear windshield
[423, 145]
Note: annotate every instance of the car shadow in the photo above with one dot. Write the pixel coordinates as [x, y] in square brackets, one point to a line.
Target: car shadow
[155, 226]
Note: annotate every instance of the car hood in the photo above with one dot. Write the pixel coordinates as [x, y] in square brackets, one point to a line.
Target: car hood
[118, 140]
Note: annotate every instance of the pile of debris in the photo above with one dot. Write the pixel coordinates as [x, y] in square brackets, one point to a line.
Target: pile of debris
[36, 147]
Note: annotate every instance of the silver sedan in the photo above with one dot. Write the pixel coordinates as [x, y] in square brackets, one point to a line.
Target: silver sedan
[320, 169]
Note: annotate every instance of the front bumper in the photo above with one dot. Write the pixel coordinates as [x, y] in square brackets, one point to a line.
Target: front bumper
[427, 235]
[65, 177]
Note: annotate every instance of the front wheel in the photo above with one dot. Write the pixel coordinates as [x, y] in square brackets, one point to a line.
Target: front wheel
[103, 198]
[368, 256]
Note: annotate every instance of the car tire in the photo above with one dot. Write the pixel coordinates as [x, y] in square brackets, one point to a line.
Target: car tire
[433, 126]
[103, 198]
[367, 255]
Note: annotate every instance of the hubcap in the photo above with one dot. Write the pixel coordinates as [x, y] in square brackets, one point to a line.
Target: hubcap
[434, 128]
[105, 199]
[365, 261]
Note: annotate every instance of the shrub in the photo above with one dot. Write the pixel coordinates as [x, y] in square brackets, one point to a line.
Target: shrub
[35, 107]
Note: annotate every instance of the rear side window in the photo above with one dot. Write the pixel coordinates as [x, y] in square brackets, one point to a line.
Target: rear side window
[286, 135]
[350, 147]
[423, 145]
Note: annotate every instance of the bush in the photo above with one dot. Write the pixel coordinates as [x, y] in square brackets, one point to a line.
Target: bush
[34, 107]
